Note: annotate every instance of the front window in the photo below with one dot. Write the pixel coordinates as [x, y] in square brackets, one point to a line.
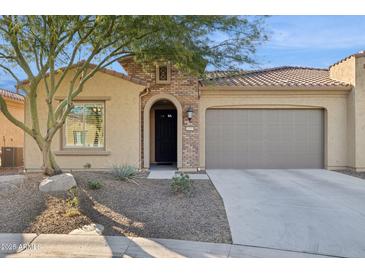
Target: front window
[84, 127]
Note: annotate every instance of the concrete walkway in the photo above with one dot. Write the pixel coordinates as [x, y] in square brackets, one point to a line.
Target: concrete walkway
[315, 211]
[81, 246]
[161, 174]
[168, 172]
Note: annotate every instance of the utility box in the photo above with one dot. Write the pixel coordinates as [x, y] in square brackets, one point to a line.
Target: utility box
[12, 157]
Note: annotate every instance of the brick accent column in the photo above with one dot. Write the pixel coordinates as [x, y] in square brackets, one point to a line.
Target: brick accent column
[185, 89]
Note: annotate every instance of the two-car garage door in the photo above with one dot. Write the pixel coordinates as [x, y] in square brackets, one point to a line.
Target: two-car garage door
[264, 138]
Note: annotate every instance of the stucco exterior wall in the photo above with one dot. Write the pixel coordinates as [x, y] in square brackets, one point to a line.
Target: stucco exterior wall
[334, 104]
[360, 113]
[11, 135]
[345, 71]
[352, 70]
[122, 122]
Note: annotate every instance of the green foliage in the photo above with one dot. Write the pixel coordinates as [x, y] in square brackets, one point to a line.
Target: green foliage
[72, 212]
[190, 42]
[72, 203]
[181, 184]
[72, 198]
[124, 172]
[94, 184]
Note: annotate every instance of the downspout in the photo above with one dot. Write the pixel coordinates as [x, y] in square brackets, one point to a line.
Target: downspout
[143, 93]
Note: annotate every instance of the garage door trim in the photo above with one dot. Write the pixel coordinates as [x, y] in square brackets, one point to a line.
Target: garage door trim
[309, 122]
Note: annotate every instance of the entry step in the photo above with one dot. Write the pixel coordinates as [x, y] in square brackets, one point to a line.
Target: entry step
[169, 174]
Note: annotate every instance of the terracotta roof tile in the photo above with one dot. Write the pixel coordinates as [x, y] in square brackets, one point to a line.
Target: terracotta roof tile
[104, 70]
[11, 95]
[273, 77]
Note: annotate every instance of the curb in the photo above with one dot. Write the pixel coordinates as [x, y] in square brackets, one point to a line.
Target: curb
[95, 246]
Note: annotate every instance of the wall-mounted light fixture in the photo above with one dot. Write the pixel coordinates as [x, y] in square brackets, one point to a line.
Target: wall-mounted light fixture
[190, 112]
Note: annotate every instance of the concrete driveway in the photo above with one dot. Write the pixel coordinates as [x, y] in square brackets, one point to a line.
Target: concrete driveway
[314, 211]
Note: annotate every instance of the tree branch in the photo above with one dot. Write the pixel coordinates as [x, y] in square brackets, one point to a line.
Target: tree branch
[19, 56]
[10, 72]
[11, 118]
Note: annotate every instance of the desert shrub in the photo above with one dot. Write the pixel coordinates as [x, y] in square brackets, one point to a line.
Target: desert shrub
[87, 165]
[72, 203]
[72, 198]
[181, 184]
[72, 212]
[124, 172]
[94, 184]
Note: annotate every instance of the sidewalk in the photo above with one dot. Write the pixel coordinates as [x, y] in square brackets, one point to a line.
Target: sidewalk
[81, 246]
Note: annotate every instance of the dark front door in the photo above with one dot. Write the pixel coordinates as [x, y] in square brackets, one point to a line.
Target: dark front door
[166, 136]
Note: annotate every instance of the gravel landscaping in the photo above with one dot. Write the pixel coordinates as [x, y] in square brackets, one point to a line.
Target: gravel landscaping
[24, 209]
[21, 205]
[352, 173]
[54, 219]
[143, 208]
[148, 208]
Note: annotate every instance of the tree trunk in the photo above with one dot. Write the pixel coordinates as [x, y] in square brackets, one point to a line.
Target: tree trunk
[50, 166]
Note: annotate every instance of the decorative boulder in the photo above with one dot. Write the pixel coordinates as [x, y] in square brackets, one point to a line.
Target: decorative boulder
[92, 229]
[57, 183]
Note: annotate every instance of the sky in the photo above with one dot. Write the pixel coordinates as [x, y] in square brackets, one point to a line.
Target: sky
[310, 41]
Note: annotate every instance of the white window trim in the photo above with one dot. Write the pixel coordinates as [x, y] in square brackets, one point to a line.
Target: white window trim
[64, 147]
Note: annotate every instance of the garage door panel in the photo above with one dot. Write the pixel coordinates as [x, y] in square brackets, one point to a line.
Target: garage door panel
[264, 138]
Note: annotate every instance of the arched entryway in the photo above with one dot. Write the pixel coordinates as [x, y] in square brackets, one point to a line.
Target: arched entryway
[162, 131]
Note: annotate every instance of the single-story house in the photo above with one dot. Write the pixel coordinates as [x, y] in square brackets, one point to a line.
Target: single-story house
[11, 137]
[284, 117]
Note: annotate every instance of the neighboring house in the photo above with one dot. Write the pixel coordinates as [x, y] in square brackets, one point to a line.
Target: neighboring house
[10, 135]
[286, 117]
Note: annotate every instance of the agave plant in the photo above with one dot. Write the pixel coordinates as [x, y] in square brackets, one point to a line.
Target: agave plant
[125, 172]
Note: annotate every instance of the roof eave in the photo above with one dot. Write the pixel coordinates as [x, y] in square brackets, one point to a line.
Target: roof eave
[134, 80]
[13, 100]
[278, 88]
[10, 96]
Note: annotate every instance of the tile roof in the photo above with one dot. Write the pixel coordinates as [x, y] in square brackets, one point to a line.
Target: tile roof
[222, 73]
[11, 95]
[273, 77]
[105, 70]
